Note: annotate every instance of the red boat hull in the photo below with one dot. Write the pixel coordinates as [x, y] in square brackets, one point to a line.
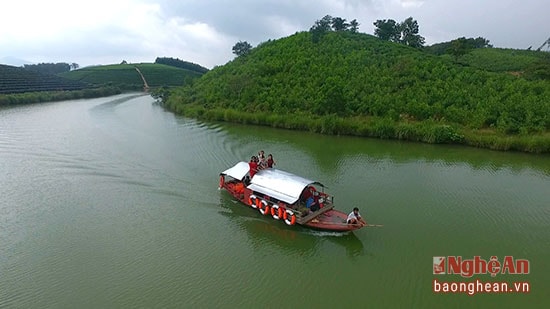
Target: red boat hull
[332, 220]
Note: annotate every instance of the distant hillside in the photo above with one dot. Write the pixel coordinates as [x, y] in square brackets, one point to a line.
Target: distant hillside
[360, 77]
[525, 63]
[496, 59]
[178, 63]
[127, 77]
[19, 80]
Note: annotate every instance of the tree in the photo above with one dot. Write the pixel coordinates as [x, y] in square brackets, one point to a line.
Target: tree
[74, 66]
[459, 47]
[387, 29]
[405, 32]
[320, 27]
[353, 26]
[480, 42]
[242, 48]
[339, 24]
[409, 33]
[329, 23]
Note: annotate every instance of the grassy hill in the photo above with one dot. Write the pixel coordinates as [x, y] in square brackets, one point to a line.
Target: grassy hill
[126, 76]
[19, 80]
[357, 84]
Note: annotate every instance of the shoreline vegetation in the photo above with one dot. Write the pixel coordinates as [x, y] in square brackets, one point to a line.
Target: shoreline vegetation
[427, 131]
[346, 83]
[51, 96]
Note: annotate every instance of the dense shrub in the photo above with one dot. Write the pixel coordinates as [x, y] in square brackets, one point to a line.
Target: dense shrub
[49, 96]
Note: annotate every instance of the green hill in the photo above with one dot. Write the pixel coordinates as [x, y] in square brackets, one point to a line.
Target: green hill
[19, 80]
[358, 84]
[127, 77]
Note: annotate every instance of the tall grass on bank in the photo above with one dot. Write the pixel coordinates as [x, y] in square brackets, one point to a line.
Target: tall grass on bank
[50, 96]
[428, 131]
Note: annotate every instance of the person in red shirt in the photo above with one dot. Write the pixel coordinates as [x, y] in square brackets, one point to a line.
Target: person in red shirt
[270, 161]
[253, 164]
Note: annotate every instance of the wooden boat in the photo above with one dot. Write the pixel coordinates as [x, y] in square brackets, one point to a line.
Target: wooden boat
[282, 196]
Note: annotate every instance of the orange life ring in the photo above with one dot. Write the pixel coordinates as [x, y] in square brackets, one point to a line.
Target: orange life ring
[258, 203]
[253, 200]
[276, 212]
[222, 181]
[290, 217]
[264, 207]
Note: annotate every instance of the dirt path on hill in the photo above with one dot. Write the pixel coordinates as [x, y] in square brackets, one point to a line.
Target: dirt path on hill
[145, 85]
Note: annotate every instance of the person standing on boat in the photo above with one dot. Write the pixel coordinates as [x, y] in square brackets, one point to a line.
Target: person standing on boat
[253, 164]
[355, 218]
[261, 158]
[270, 161]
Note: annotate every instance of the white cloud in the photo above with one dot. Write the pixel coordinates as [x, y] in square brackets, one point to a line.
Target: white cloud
[411, 3]
[197, 42]
[108, 31]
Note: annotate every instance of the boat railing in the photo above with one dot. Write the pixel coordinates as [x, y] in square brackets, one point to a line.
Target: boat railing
[313, 215]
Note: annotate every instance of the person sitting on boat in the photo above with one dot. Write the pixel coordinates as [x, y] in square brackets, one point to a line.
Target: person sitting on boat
[312, 202]
[253, 164]
[355, 218]
[270, 161]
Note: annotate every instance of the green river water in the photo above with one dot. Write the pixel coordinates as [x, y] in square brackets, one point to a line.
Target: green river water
[113, 203]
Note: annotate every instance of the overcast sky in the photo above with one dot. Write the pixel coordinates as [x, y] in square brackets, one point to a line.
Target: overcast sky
[203, 31]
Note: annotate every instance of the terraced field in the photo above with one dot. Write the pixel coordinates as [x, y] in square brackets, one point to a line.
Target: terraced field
[126, 76]
[19, 80]
[164, 75]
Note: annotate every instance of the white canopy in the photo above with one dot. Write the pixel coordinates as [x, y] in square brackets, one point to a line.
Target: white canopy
[238, 171]
[275, 183]
[279, 184]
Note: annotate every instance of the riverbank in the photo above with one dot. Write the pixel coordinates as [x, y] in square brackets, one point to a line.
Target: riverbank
[51, 96]
[428, 131]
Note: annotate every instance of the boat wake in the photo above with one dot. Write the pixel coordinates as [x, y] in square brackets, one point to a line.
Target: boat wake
[327, 234]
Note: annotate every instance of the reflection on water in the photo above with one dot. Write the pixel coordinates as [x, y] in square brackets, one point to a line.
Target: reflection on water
[264, 231]
[326, 150]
